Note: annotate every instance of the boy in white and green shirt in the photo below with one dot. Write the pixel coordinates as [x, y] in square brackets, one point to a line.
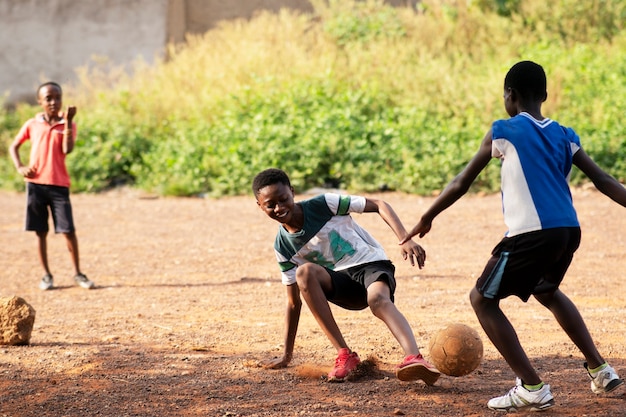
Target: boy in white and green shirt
[325, 256]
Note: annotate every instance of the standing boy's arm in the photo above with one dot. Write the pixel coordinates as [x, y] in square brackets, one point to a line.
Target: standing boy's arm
[411, 250]
[604, 182]
[68, 133]
[455, 189]
[292, 318]
[14, 148]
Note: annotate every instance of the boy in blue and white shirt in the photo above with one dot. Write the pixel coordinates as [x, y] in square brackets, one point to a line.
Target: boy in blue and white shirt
[325, 256]
[536, 154]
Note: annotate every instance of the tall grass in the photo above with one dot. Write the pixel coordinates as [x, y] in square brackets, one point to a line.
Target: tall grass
[357, 95]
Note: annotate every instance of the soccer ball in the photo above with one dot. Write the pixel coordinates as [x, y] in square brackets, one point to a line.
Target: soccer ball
[456, 350]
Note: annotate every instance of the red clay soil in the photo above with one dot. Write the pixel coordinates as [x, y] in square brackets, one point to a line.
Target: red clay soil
[189, 300]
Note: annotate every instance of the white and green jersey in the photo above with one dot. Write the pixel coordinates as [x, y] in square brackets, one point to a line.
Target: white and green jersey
[329, 237]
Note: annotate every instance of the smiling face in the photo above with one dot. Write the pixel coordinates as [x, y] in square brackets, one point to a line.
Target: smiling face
[276, 200]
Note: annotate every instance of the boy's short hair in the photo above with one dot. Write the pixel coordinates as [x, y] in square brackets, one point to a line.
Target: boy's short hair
[528, 79]
[49, 83]
[267, 177]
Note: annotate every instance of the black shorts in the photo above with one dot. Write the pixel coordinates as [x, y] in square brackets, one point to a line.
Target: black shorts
[530, 263]
[350, 285]
[38, 198]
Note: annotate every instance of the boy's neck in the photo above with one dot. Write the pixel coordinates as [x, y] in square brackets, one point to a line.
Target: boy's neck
[52, 118]
[534, 109]
[535, 115]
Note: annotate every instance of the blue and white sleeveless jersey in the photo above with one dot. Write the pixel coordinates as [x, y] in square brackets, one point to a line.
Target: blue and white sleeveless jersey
[329, 237]
[536, 166]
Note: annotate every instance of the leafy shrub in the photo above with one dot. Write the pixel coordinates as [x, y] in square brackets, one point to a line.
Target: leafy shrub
[367, 21]
[357, 95]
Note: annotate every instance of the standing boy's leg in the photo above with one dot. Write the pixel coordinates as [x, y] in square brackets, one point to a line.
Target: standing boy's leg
[570, 320]
[603, 377]
[63, 218]
[502, 334]
[72, 246]
[42, 249]
[47, 282]
[520, 265]
[37, 202]
[567, 315]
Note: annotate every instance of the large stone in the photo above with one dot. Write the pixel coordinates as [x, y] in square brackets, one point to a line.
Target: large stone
[16, 321]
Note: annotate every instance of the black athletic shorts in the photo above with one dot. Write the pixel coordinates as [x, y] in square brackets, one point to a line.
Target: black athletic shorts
[350, 285]
[38, 198]
[530, 263]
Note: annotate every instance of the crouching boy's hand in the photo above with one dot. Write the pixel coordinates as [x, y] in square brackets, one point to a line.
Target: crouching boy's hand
[274, 363]
[414, 252]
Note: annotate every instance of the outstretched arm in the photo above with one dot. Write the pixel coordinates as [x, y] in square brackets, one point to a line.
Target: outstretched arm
[604, 182]
[455, 189]
[294, 306]
[411, 250]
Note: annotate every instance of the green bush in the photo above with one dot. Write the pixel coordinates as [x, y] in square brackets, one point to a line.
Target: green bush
[357, 95]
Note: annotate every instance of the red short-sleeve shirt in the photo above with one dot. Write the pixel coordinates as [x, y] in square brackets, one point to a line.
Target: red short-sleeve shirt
[46, 155]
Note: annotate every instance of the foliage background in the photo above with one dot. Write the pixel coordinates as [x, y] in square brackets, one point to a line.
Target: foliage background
[357, 95]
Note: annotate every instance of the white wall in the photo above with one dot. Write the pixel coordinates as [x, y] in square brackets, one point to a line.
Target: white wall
[47, 39]
[43, 40]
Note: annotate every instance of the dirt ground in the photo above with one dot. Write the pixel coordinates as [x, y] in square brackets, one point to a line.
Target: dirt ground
[188, 301]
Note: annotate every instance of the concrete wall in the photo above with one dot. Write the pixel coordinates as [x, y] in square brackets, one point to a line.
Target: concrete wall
[201, 15]
[47, 39]
[44, 40]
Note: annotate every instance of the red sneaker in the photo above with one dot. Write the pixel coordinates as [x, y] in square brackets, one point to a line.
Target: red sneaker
[415, 367]
[345, 364]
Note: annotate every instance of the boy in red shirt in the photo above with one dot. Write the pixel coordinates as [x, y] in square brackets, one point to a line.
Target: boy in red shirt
[52, 135]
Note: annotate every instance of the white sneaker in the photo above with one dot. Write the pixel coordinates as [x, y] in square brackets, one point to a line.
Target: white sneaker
[519, 398]
[605, 381]
[46, 282]
[82, 280]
